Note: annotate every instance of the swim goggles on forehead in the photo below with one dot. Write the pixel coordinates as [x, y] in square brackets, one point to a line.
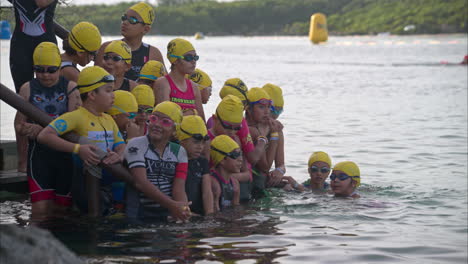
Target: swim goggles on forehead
[197, 136]
[227, 125]
[132, 20]
[262, 101]
[317, 169]
[72, 38]
[106, 79]
[341, 177]
[186, 57]
[130, 115]
[232, 154]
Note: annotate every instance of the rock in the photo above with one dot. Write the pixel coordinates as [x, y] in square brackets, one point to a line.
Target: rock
[20, 245]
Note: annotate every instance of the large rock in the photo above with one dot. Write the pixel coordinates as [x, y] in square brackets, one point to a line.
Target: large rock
[32, 245]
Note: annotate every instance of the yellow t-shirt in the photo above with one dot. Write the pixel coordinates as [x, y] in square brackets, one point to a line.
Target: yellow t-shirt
[101, 130]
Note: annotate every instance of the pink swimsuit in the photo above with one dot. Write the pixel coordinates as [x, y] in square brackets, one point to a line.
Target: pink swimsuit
[186, 100]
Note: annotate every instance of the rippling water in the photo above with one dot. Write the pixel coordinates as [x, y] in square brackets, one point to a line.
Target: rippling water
[387, 103]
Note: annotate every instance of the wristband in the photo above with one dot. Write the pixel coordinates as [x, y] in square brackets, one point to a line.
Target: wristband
[263, 138]
[76, 148]
[274, 134]
[280, 170]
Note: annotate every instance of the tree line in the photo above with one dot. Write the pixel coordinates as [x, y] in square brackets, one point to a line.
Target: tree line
[279, 17]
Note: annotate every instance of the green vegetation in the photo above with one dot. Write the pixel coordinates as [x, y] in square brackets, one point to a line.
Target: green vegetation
[281, 17]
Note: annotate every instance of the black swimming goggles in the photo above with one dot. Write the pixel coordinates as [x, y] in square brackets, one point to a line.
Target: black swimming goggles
[106, 79]
[197, 136]
[232, 154]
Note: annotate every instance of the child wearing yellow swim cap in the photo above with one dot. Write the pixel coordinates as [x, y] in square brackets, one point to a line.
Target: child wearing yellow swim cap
[204, 83]
[80, 48]
[136, 23]
[124, 111]
[151, 71]
[227, 159]
[345, 178]
[145, 98]
[117, 58]
[159, 167]
[175, 87]
[193, 136]
[319, 167]
[47, 170]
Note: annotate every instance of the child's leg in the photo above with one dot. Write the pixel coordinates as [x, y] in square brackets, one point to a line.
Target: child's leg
[207, 194]
[216, 194]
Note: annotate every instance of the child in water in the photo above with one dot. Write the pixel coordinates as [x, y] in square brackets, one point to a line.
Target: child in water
[345, 178]
[192, 135]
[319, 168]
[227, 159]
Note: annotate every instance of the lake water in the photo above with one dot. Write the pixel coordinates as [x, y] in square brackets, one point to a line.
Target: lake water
[387, 103]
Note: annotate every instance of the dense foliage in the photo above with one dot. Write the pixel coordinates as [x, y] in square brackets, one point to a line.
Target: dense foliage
[284, 17]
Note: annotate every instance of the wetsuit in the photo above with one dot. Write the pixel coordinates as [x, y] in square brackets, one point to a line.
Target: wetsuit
[227, 190]
[49, 171]
[125, 85]
[33, 26]
[139, 58]
[193, 185]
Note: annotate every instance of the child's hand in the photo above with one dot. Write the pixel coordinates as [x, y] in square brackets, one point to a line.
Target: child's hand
[275, 126]
[111, 158]
[32, 130]
[274, 178]
[87, 153]
[180, 210]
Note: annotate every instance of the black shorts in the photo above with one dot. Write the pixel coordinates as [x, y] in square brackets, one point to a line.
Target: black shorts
[49, 174]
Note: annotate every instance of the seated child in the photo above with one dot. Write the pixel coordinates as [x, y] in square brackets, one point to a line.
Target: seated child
[227, 160]
[192, 135]
[319, 169]
[117, 58]
[145, 98]
[345, 178]
[150, 72]
[204, 84]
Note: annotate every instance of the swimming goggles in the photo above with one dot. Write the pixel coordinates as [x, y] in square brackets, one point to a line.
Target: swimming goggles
[50, 69]
[238, 88]
[130, 115]
[317, 169]
[227, 125]
[276, 111]
[106, 79]
[188, 58]
[132, 20]
[262, 101]
[165, 121]
[142, 110]
[151, 77]
[197, 137]
[114, 58]
[341, 177]
[232, 154]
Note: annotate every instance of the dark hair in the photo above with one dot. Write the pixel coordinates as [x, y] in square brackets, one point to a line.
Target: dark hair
[84, 96]
[67, 48]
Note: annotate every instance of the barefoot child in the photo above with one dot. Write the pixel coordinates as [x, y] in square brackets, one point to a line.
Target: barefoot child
[96, 89]
[345, 178]
[117, 57]
[192, 135]
[48, 170]
[227, 160]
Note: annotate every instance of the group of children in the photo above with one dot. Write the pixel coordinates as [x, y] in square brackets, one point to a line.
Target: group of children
[152, 122]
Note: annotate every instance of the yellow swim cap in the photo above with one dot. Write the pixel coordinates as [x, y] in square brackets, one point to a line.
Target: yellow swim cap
[144, 95]
[191, 124]
[123, 101]
[121, 48]
[152, 70]
[47, 53]
[93, 77]
[177, 48]
[234, 86]
[256, 94]
[84, 36]
[145, 11]
[351, 169]
[201, 78]
[172, 110]
[275, 93]
[319, 156]
[221, 143]
[230, 109]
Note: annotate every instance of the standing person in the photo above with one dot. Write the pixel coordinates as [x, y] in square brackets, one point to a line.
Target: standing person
[80, 48]
[159, 169]
[175, 87]
[151, 71]
[204, 83]
[96, 90]
[345, 178]
[227, 159]
[48, 170]
[145, 98]
[34, 23]
[117, 57]
[136, 23]
[192, 135]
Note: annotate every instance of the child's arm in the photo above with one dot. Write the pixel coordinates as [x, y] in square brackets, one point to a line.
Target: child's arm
[161, 90]
[178, 190]
[254, 156]
[178, 210]
[207, 194]
[74, 100]
[216, 188]
[48, 136]
[293, 183]
[155, 54]
[236, 196]
[21, 125]
[115, 156]
[198, 101]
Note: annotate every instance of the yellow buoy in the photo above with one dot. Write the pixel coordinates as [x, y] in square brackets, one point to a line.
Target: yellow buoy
[318, 28]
